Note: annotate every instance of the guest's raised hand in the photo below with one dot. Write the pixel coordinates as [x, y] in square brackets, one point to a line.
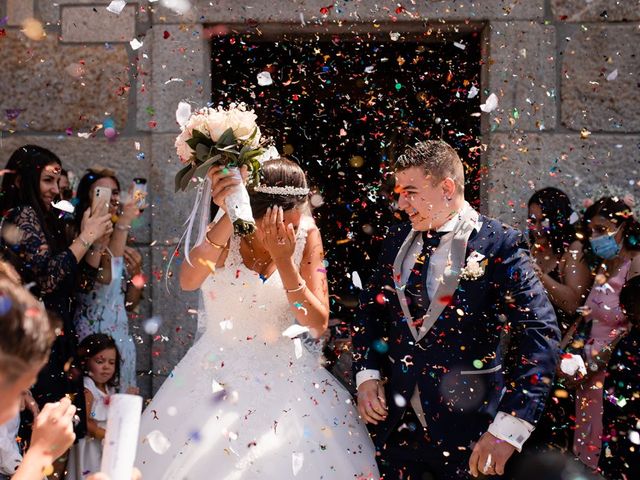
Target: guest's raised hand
[132, 261]
[130, 210]
[224, 182]
[53, 428]
[279, 239]
[372, 403]
[95, 226]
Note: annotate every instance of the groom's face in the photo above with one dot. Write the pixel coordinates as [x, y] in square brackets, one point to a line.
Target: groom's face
[421, 198]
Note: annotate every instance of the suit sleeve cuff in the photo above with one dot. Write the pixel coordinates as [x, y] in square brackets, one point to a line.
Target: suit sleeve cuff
[512, 430]
[364, 375]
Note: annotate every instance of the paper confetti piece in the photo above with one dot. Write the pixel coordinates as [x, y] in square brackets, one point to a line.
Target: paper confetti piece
[158, 442]
[491, 104]
[64, 205]
[297, 459]
[116, 6]
[264, 79]
[183, 112]
[355, 278]
[294, 331]
[135, 44]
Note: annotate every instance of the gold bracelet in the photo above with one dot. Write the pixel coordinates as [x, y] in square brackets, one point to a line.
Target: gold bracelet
[213, 244]
[300, 287]
[86, 244]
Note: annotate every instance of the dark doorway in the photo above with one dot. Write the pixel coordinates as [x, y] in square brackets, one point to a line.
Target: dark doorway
[337, 105]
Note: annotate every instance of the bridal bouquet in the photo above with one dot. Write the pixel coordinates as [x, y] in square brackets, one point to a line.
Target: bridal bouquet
[228, 137]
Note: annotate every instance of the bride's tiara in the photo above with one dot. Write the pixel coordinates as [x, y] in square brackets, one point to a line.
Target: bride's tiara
[288, 190]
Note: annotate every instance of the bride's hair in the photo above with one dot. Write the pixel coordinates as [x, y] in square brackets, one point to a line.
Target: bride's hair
[280, 172]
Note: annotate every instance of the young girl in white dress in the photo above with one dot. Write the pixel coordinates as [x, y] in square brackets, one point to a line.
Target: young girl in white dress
[248, 401]
[100, 360]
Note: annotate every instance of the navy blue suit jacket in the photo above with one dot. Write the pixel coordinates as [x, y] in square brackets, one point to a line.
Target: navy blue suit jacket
[493, 348]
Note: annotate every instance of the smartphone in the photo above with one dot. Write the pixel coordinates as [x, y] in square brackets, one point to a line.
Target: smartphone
[101, 200]
[140, 192]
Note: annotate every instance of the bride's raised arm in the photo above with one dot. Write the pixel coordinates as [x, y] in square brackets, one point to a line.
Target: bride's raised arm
[306, 288]
[206, 255]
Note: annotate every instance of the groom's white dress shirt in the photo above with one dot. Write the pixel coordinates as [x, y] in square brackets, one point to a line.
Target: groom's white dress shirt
[504, 426]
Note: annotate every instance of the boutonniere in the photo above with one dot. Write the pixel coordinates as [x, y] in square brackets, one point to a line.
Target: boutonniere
[474, 268]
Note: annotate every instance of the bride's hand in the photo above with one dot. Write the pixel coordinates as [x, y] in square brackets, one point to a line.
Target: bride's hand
[279, 239]
[223, 182]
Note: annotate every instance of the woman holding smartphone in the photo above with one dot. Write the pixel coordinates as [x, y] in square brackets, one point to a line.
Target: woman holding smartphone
[104, 308]
[33, 240]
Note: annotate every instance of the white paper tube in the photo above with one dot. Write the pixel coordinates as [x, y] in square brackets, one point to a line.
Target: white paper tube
[238, 203]
[121, 438]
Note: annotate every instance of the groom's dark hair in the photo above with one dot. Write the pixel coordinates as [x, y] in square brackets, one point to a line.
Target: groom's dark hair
[436, 157]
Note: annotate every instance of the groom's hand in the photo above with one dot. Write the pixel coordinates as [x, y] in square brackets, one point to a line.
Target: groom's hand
[490, 455]
[372, 405]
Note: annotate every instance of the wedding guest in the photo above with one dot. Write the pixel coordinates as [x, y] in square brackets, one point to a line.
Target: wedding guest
[26, 335]
[564, 272]
[621, 413]
[614, 243]
[33, 240]
[100, 360]
[104, 308]
[559, 259]
[64, 185]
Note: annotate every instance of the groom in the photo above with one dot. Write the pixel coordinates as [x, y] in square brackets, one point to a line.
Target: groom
[455, 342]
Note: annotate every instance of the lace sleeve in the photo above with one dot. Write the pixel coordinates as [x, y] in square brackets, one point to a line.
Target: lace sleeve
[46, 269]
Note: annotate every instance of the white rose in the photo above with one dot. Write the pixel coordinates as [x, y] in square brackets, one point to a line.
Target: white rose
[198, 121]
[184, 151]
[216, 123]
[243, 124]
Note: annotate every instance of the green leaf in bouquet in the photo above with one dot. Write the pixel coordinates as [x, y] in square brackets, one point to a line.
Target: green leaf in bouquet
[186, 179]
[180, 175]
[203, 152]
[197, 137]
[227, 138]
[201, 170]
[253, 135]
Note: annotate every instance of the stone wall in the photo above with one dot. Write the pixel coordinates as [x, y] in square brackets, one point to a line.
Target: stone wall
[565, 73]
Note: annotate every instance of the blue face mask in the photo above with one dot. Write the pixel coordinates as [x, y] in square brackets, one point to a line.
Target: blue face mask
[605, 246]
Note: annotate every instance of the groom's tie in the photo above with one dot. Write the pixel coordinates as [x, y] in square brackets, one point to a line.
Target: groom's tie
[415, 290]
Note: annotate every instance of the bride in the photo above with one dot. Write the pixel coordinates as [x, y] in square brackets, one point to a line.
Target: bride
[246, 401]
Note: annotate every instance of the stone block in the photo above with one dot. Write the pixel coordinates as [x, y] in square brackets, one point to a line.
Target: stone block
[176, 309]
[137, 319]
[521, 164]
[600, 70]
[97, 24]
[18, 11]
[522, 74]
[77, 154]
[311, 11]
[49, 10]
[47, 87]
[169, 209]
[180, 71]
[595, 10]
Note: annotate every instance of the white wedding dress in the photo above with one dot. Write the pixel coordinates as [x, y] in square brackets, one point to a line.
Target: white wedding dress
[247, 402]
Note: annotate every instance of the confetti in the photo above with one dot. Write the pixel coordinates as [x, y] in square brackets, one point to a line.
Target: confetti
[158, 442]
[116, 6]
[264, 79]
[491, 104]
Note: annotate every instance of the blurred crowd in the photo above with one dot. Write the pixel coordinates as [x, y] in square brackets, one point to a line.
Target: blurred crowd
[71, 249]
